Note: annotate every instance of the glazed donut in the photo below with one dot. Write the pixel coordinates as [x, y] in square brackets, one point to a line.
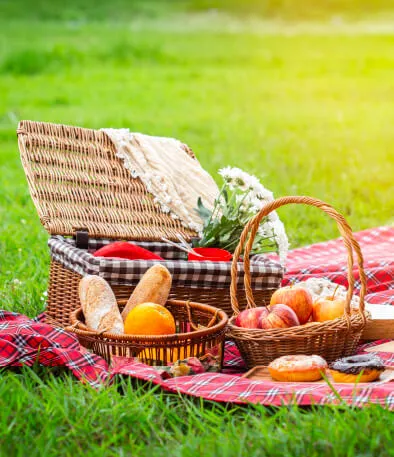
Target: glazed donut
[297, 368]
[357, 368]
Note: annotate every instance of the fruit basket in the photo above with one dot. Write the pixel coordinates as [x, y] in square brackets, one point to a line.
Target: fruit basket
[331, 339]
[86, 198]
[200, 329]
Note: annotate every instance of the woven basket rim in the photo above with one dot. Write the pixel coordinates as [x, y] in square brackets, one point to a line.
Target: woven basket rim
[299, 331]
[214, 329]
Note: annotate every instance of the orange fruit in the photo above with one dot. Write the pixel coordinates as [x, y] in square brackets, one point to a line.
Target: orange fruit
[149, 319]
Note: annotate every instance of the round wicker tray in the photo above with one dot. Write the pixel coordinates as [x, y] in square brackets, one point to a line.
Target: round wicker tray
[200, 330]
[330, 339]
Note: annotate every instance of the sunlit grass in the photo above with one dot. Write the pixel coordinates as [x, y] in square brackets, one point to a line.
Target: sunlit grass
[56, 416]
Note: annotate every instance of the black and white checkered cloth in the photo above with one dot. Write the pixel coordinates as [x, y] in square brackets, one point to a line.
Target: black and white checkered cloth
[265, 274]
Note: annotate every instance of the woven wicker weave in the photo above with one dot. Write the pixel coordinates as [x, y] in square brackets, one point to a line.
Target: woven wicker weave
[77, 182]
[330, 339]
[200, 329]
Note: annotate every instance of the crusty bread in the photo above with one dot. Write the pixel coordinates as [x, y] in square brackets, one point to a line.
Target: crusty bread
[99, 305]
[154, 287]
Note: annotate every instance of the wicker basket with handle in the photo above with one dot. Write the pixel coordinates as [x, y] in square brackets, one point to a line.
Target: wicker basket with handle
[331, 339]
[200, 331]
[79, 186]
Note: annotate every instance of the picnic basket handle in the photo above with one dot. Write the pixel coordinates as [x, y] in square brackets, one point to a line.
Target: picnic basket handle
[251, 230]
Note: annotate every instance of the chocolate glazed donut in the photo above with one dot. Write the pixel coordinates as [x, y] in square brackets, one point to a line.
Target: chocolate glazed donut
[356, 363]
[348, 369]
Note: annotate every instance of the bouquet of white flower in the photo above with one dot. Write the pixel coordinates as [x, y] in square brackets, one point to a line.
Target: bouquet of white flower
[240, 198]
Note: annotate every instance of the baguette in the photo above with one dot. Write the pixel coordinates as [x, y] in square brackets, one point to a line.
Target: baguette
[99, 305]
[154, 287]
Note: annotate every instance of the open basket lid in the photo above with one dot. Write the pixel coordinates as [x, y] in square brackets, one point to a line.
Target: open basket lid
[78, 183]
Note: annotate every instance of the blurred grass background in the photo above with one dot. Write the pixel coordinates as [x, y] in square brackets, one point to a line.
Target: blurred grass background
[128, 9]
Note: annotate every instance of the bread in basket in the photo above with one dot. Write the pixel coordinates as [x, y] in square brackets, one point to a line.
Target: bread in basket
[200, 331]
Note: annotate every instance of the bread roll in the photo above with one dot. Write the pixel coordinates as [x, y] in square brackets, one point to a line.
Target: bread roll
[99, 305]
[154, 287]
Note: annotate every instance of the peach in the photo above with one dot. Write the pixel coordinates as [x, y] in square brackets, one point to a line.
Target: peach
[328, 308]
[249, 318]
[280, 316]
[297, 298]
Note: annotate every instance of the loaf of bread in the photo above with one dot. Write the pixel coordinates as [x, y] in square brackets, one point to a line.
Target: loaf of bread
[154, 287]
[99, 305]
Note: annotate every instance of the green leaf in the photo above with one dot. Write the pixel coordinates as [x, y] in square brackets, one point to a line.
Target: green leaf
[202, 211]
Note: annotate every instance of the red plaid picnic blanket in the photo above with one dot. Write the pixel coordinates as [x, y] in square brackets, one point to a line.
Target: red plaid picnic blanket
[26, 342]
[224, 387]
[328, 260]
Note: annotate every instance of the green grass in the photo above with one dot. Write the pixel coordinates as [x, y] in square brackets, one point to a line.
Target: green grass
[58, 417]
[307, 113]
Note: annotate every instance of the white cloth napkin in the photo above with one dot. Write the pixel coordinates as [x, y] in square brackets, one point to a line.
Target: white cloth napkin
[174, 178]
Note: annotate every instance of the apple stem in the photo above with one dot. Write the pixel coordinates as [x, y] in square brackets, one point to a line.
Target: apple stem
[335, 291]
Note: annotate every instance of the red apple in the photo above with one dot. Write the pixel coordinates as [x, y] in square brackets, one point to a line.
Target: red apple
[280, 316]
[328, 308]
[297, 298]
[249, 318]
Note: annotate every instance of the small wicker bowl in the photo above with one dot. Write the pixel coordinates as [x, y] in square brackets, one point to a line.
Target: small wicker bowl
[200, 329]
[331, 339]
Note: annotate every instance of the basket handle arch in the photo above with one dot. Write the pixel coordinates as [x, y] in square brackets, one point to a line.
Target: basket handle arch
[251, 231]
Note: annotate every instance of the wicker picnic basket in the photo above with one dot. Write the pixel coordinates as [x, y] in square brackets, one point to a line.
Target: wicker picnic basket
[200, 332]
[330, 339]
[85, 198]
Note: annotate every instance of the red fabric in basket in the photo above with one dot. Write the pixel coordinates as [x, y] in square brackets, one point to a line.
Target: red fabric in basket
[125, 250]
[25, 342]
